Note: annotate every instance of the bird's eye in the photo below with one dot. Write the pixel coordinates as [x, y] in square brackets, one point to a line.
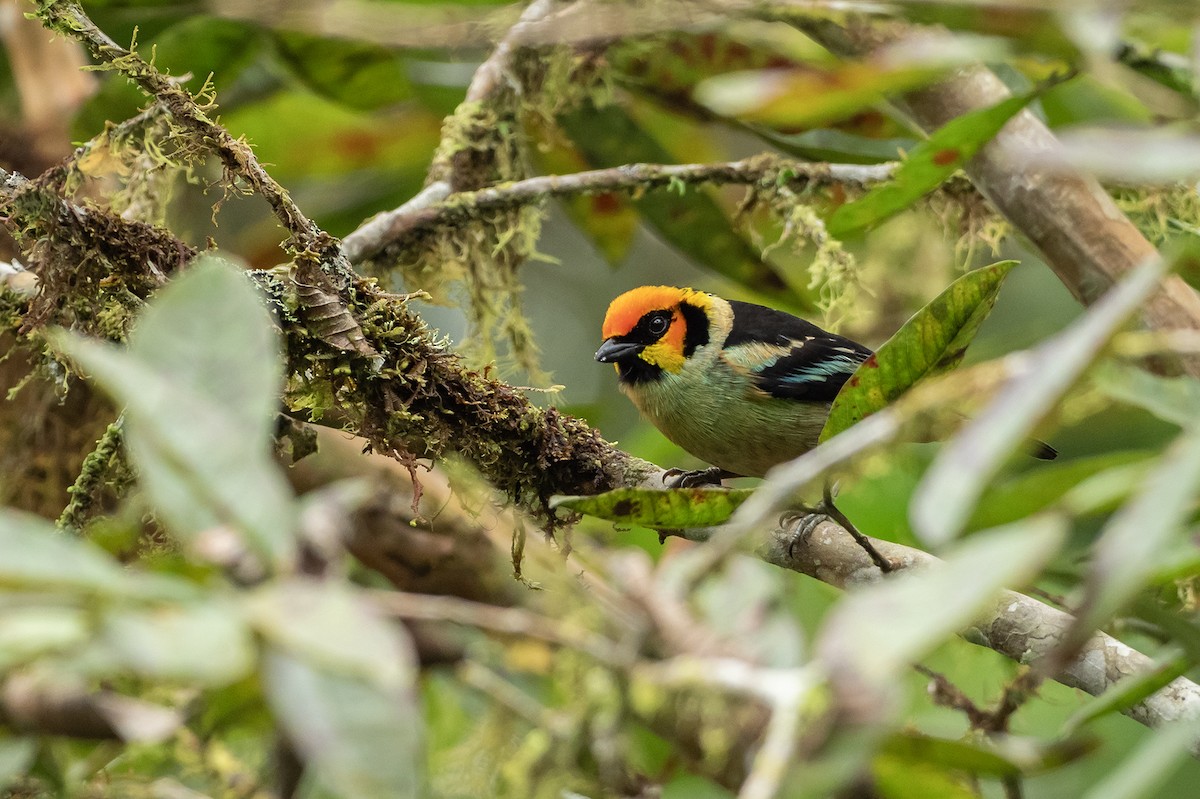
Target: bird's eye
[659, 323]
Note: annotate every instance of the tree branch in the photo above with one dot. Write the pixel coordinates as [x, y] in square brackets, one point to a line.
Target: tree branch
[437, 205]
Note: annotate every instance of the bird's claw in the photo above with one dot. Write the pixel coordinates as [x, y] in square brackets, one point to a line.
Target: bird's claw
[678, 478]
[809, 520]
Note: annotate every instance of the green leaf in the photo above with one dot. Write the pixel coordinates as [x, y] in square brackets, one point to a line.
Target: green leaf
[1136, 540]
[16, 756]
[332, 627]
[200, 381]
[359, 740]
[29, 631]
[807, 96]
[926, 167]
[934, 340]
[965, 467]
[1127, 692]
[357, 74]
[958, 755]
[899, 778]
[35, 554]
[1172, 399]
[1147, 768]
[201, 643]
[669, 509]
[692, 222]
[875, 633]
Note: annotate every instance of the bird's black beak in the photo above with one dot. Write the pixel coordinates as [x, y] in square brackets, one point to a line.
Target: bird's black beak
[612, 350]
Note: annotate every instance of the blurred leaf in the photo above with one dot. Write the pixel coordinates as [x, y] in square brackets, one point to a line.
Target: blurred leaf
[1129, 156]
[16, 756]
[1039, 488]
[1147, 768]
[1136, 539]
[669, 509]
[692, 786]
[875, 633]
[1172, 399]
[201, 380]
[690, 221]
[607, 219]
[26, 632]
[914, 748]
[967, 464]
[354, 73]
[360, 740]
[34, 553]
[934, 340]
[807, 95]
[926, 167]
[900, 778]
[1126, 693]
[209, 644]
[670, 65]
[135, 720]
[331, 627]
[830, 144]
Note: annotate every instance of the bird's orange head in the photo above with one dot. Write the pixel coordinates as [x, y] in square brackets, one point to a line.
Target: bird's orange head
[654, 329]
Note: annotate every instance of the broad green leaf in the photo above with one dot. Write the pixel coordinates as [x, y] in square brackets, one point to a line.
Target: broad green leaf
[963, 469]
[1127, 692]
[1172, 399]
[16, 756]
[1134, 543]
[1144, 771]
[808, 95]
[358, 739]
[35, 554]
[934, 340]
[331, 627]
[357, 74]
[200, 643]
[670, 509]
[926, 167]
[690, 220]
[839, 146]
[900, 778]
[200, 382]
[29, 631]
[914, 748]
[875, 633]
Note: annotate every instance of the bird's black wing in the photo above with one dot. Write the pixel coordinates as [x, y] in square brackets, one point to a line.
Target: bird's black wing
[789, 357]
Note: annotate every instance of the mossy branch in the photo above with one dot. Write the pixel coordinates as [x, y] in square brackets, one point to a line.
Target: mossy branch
[69, 19]
[440, 207]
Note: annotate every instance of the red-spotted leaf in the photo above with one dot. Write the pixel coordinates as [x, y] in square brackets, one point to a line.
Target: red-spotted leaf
[926, 167]
[932, 341]
[660, 509]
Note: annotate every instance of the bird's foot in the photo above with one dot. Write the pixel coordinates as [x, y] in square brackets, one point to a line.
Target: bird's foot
[712, 476]
[810, 518]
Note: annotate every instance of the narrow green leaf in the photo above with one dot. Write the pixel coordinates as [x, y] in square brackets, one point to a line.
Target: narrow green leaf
[1127, 693]
[1136, 540]
[29, 631]
[1172, 399]
[932, 341]
[670, 509]
[200, 382]
[16, 756]
[807, 96]
[964, 468]
[875, 633]
[926, 167]
[1147, 768]
[958, 755]
[359, 740]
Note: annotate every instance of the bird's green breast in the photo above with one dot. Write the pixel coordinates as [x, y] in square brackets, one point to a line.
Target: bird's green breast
[712, 411]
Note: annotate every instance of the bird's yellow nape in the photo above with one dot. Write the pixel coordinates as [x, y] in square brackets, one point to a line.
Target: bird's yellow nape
[625, 311]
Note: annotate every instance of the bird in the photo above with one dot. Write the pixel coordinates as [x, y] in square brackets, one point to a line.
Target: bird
[740, 386]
